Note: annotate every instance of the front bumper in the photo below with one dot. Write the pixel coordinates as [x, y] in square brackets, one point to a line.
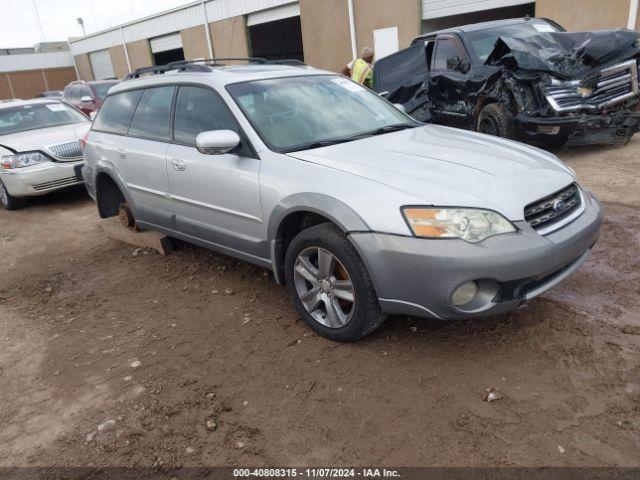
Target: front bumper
[577, 129]
[42, 178]
[415, 276]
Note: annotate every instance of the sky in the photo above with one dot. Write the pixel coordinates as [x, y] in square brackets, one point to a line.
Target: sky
[59, 17]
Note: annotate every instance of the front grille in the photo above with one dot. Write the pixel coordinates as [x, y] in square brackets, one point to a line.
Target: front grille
[66, 151]
[63, 182]
[552, 210]
[611, 86]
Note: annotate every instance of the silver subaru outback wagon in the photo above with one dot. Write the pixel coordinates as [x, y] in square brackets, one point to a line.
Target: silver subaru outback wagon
[358, 209]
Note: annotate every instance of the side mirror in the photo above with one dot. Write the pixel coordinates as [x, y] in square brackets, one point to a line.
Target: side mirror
[217, 142]
[400, 107]
[93, 114]
[86, 99]
[458, 64]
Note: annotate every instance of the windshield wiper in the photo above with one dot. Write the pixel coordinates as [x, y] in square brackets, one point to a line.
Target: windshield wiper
[388, 129]
[318, 144]
[333, 141]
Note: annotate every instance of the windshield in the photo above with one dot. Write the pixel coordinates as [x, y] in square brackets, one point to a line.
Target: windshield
[37, 115]
[102, 89]
[298, 113]
[483, 41]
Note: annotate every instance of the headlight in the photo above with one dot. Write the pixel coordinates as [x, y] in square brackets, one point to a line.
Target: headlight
[21, 160]
[470, 224]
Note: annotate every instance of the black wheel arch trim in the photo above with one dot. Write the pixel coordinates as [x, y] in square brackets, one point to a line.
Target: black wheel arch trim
[339, 213]
[115, 178]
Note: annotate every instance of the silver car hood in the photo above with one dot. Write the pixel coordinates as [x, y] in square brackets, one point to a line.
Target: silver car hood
[450, 167]
[40, 138]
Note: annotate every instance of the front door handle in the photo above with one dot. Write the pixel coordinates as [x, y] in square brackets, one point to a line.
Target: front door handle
[178, 165]
[122, 153]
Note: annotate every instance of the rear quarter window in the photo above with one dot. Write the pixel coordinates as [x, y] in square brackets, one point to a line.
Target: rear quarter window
[116, 112]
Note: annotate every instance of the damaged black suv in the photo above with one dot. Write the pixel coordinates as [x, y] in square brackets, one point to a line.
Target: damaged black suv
[524, 79]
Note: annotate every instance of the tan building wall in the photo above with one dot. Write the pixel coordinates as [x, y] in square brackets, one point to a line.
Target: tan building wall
[326, 37]
[585, 14]
[5, 88]
[140, 54]
[230, 37]
[29, 83]
[372, 15]
[58, 78]
[83, 64]
[194, 43]
[118, 61]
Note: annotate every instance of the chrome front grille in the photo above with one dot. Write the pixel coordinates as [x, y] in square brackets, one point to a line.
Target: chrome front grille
[611, 86]
[66, 151]
[550, 213]
[63, 182]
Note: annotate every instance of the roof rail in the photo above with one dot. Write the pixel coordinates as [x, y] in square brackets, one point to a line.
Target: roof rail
[206, 65]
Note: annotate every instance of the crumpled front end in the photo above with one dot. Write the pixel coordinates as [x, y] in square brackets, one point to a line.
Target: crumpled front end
[571, 88]
[561, 88]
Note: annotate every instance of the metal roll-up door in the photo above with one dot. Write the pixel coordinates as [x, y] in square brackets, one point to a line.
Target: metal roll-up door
[273, 14]
[444, 8]
[168, 42]
[101, 64]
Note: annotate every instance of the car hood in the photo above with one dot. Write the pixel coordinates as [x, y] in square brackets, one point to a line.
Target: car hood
[450, 167]
[39, 138]
[566, 54]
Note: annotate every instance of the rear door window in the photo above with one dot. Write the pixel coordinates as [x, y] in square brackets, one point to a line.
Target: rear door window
[116, 112]
[152, 118]
[200, 110]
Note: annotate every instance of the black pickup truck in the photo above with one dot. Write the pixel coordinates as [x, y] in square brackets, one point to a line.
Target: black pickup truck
[526, 79]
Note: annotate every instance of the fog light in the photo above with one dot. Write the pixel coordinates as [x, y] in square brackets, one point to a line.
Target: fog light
[549, 129]
[464, 293]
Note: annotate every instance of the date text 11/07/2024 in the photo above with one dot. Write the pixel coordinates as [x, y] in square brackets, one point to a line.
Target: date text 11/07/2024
[315, 472]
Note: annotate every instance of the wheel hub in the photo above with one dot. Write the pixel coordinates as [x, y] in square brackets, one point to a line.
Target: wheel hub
[325, 285]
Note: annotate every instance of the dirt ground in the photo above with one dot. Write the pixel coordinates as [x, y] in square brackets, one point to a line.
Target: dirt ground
[237, 379]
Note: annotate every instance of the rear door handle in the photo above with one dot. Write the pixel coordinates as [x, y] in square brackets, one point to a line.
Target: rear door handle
[178, 165]
[122, 153]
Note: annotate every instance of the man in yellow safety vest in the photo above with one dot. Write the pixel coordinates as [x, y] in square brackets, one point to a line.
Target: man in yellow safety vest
[361, 68]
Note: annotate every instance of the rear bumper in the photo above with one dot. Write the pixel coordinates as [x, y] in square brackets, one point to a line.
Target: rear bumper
[415, 276]
[41, 179]
[597, 129]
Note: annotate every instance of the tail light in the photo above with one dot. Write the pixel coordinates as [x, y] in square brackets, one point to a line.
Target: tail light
[84, 140]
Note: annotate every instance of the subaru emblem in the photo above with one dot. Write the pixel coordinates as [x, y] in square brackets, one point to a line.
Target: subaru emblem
[559, 206]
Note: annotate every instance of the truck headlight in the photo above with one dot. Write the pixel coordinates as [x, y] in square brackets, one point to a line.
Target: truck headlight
[470, 224]
[21, 160]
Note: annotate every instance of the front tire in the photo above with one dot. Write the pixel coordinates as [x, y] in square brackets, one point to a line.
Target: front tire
[8, 201]
[330, 286]
[496, 119]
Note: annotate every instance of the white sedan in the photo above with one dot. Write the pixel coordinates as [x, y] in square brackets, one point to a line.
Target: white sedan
[39, 148]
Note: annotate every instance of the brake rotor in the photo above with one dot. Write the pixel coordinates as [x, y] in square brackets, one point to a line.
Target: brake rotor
[126, 218]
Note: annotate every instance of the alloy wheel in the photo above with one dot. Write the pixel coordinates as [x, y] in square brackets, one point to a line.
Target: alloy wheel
[324, 287]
